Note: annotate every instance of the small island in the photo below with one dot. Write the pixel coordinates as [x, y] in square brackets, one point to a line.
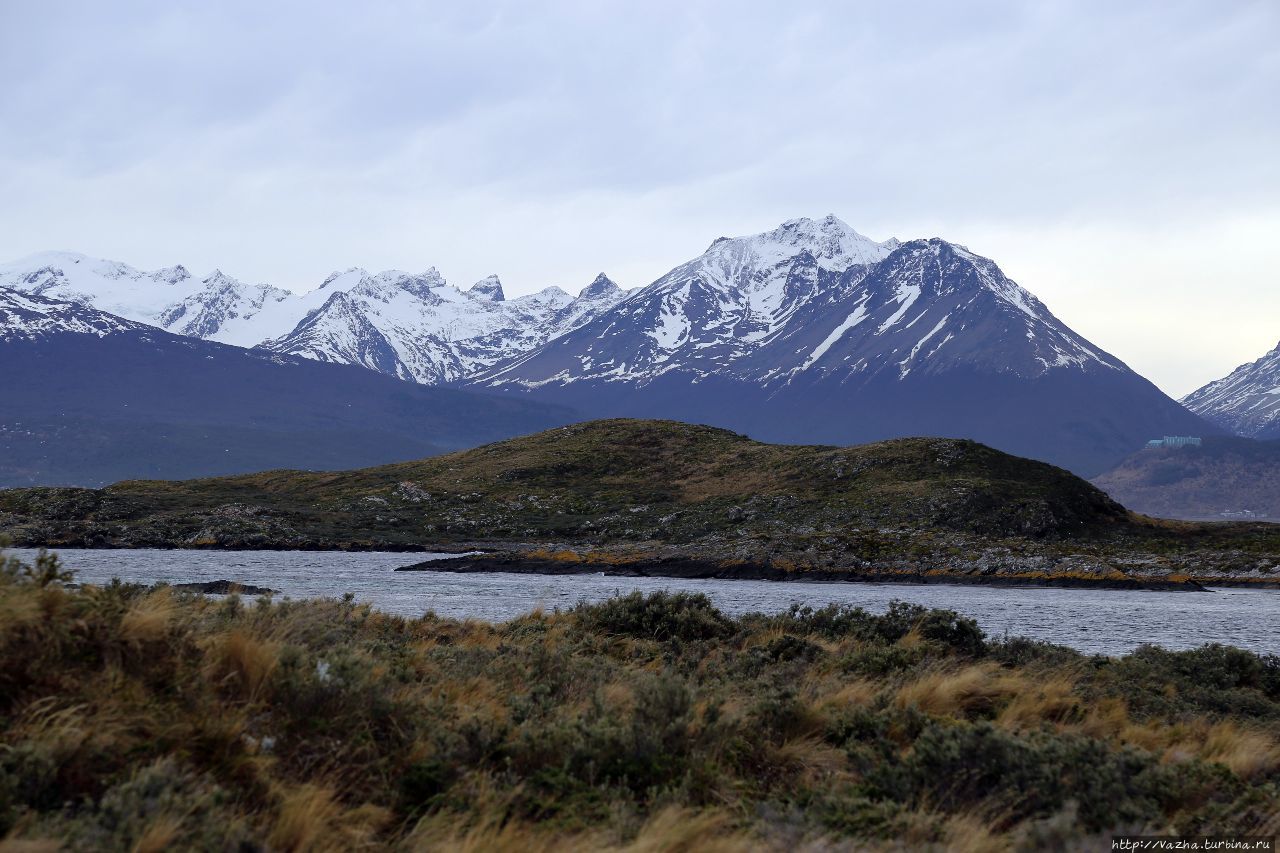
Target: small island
[662, 497]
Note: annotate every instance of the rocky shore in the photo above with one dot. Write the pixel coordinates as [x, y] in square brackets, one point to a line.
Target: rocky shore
[696, 568]
[225, 587]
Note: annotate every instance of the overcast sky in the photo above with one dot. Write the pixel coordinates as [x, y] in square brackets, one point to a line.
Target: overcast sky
[1120, 160]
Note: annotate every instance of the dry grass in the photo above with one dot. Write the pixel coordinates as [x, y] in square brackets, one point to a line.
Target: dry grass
[677, 830]
[148, 619]
[1245, 752]
[492, 834]
[959, 692]
[1051, 699]
[305, 820]
[30, 845]
[856, 692]
[972, 833]
[242, 661]
[809, 757]
[160, 835]
[670, 830]
[19, 611]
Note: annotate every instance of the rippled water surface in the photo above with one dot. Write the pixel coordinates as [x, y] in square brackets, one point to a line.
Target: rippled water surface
[1102, 621]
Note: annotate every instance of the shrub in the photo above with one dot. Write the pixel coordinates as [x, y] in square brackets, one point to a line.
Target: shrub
[661, 616]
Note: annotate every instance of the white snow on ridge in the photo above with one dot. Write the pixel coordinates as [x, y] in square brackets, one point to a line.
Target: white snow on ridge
[919, 345]
[26, 317]
[859, 314]
[907, 294]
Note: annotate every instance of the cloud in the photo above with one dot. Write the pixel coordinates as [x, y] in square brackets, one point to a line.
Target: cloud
[548, 141]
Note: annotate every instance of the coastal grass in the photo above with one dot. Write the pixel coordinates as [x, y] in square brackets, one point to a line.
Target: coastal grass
[135, 718]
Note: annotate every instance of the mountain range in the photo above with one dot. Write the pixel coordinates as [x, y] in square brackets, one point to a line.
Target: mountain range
[88, 398]
[809, 333]
[411, 326]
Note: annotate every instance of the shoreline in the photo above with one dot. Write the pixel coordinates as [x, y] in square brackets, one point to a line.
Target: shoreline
[488, 556]
[699, 569]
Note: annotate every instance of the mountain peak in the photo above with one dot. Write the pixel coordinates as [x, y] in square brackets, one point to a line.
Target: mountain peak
[171, 275]
[830, 241]
[345, 277]
[602, 285]
[489, 288]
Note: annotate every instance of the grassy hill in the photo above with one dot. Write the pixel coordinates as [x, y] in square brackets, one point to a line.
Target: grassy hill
[1223, 478]
[622, 488]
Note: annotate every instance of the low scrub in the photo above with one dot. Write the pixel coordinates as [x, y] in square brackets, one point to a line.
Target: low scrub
[150, 719]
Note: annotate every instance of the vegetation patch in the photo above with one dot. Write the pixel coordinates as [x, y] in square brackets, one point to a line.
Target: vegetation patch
[152, 718]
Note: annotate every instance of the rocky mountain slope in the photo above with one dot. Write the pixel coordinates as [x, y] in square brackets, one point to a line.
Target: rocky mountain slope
[621, 491]
[411, 326]
[1224, 478]
[812, 332]
[87, 398]
[425, 331]
[1247, 402]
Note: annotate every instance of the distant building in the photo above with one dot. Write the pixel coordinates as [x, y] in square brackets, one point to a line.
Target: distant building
[1174, 441]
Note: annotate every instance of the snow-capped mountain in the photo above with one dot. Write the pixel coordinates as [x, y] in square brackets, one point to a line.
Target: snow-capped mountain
[1247, 402]
[813, 298]
[170, 298]
[813, 332]
[433, 333]
[24, 317]
[411, 326]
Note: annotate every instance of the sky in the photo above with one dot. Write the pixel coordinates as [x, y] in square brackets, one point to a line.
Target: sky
[1120, 160]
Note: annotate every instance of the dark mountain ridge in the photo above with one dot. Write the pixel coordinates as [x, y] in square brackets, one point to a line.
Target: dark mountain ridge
[89, 398]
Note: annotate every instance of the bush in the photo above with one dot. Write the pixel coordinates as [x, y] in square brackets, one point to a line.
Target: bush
[840, 621]
[660, 616]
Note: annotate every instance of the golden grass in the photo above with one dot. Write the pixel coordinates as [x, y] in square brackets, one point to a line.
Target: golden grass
[148, 619]
[18, 611]
[677, 830]
[670, 830]
[1048, 700]
[959, 692]
[970, 833]
[1245, 752]
[29, 845]
[491, 834]
[61, 729]
[304, 821]
[849, 693]
[243, 661]
[810, 757]
[160, 835]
